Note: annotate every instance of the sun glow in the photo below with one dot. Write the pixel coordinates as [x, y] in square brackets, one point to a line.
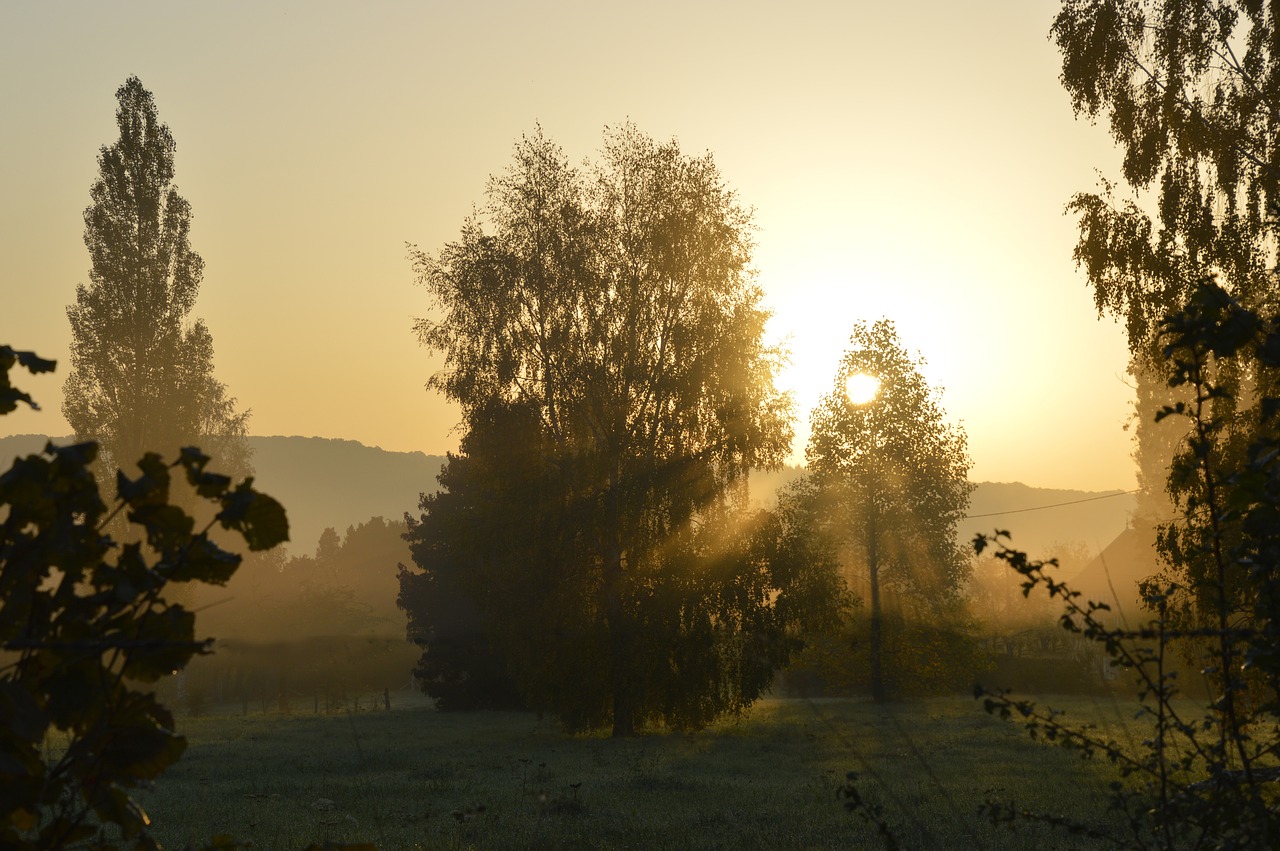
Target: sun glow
[861, 388]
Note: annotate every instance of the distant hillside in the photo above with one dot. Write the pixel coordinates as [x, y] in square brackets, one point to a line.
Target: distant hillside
[320, 482]
[341, 483]
[338, 483]
[1093, 519]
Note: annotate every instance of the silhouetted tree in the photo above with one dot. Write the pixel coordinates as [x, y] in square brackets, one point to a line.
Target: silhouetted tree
[88, 626]
[896, 477]
[496, 573]
[616, 308]
[1190, 93]
[141, 373]
[506, 604]
[329, 547]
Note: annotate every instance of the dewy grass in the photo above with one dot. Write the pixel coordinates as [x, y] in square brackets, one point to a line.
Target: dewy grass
[416, 778]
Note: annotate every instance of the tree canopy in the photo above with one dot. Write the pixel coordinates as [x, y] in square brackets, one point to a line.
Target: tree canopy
[608, 316]
[1189, 91]
[141, 373]
[896, 477]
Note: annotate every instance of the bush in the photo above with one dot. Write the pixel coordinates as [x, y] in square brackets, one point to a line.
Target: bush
[87, 629]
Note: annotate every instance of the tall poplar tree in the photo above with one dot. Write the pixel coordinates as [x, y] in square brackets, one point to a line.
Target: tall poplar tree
[141, 372]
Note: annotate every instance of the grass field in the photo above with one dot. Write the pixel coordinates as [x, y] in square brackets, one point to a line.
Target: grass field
[417, 778]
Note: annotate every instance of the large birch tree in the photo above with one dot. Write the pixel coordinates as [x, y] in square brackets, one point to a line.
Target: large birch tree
[614, 306]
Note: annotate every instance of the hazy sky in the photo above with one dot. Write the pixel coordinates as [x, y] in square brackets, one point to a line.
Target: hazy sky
[904, 160]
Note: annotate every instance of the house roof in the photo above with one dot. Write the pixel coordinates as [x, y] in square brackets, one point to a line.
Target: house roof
[1112, 577]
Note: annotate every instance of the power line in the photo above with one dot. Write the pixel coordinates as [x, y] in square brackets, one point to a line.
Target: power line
[1054, 505]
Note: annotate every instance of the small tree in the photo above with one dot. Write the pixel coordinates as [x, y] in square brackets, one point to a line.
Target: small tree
[896, 474]
[84, 621]
[1203, 782]
[141, 373]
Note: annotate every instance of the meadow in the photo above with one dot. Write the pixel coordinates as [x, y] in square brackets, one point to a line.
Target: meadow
[417, 778]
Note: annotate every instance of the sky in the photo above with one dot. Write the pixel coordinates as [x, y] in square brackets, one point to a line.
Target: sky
[909, 161]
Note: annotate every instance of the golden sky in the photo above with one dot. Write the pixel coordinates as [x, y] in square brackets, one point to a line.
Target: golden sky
[904, 160]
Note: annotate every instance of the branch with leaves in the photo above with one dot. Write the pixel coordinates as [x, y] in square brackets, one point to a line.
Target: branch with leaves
[86, 622]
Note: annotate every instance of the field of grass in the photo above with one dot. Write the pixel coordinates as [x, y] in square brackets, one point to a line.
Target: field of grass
[417, 778]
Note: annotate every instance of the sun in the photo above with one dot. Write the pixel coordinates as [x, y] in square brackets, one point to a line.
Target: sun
[861, 388]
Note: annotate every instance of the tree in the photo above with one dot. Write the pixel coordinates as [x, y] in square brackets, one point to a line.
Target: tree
[141, 373]
[1197, 122]
[506, 603]
[896, 474]
[1207, 781]
[496, 523]
[87, 626]
[612, 312]
[1190, 91]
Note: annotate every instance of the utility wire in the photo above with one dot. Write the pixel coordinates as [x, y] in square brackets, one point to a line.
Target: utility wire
[1054, 505]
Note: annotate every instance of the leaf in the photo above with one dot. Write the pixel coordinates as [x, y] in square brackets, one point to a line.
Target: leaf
[169, 528]
[10, 396]
[34, 363]
[161, 644]
[151, 488]
[208, 485]
[204, 561]
[24, 819]
[260, 519]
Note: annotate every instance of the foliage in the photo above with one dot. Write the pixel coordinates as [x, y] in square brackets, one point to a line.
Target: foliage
[610, 318]
[85, 621]
[507, 605]
[895, 474]
[141, 374]
[1197, 782]
[1189, 90]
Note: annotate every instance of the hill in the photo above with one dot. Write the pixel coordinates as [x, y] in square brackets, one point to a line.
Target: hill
[340, 483]
[320, 482]
[1040, 519]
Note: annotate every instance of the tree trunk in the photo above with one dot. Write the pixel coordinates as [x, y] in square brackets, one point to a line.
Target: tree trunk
[620, 669]
[876, 642]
